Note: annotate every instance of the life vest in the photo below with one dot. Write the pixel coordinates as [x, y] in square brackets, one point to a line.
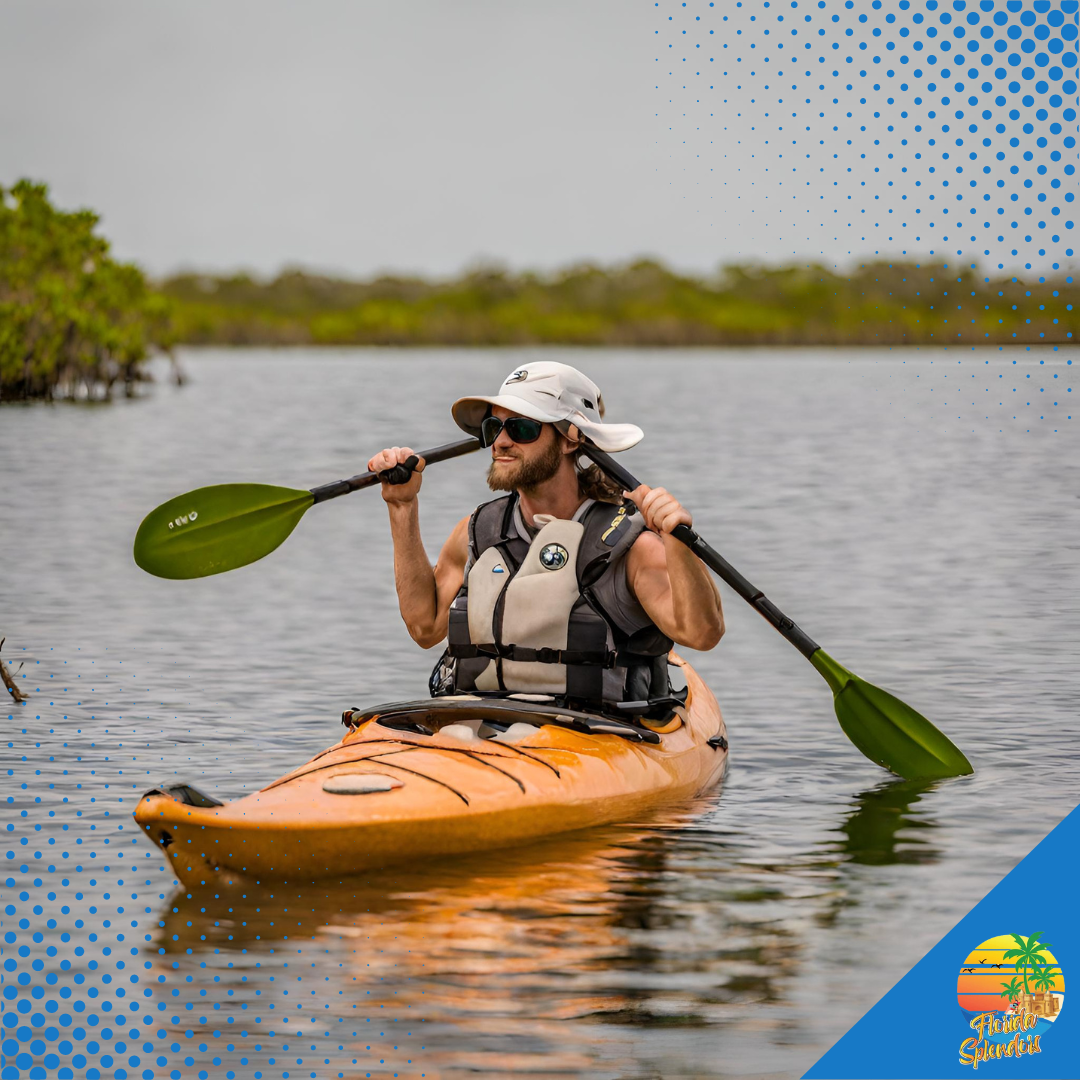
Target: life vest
[552, 615]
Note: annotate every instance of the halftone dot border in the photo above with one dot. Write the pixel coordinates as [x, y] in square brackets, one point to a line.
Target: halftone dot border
[938, 133]
[87, 987]
[963, 115]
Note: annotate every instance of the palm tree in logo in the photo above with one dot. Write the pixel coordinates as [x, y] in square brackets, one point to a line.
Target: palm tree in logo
[1028, 955]
[1044, 979]
[1011, 989]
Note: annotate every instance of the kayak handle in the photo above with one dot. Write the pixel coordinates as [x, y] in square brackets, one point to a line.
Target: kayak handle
[370, 479]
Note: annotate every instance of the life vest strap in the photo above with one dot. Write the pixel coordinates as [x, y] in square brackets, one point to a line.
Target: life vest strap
[574, 657]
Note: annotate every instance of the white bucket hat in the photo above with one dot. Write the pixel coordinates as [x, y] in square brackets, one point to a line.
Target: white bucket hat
[554, 394]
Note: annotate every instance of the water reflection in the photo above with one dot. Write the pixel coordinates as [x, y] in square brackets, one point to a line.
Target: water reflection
[883, 830]
[493, 955]
[498, 962]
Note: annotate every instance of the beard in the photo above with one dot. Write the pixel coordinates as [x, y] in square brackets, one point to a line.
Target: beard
[526, 474]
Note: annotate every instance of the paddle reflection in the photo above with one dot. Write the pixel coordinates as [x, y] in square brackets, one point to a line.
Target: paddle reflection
[882, 830]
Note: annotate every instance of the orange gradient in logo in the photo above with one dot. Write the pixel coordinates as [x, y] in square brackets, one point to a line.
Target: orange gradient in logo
[1010, 973]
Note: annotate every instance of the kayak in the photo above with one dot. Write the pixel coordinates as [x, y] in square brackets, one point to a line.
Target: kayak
[417, 780]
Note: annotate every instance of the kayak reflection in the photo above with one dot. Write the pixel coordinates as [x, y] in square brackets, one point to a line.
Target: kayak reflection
[488, 958]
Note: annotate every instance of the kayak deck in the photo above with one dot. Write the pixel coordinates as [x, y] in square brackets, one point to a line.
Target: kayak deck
[419, 780]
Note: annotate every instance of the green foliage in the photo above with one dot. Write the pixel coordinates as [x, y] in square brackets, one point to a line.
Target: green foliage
[1029, 955]
[1044, 979]
[642, 303]
[73, 322]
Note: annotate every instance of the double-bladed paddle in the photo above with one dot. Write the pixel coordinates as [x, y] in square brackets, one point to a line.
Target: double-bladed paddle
[214, 529]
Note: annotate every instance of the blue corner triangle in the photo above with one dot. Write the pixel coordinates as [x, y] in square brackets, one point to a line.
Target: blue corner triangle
[916, 1030]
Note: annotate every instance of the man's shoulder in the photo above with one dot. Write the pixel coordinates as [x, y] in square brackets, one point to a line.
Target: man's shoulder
[499, 503]
[647, 549]
[457, 543]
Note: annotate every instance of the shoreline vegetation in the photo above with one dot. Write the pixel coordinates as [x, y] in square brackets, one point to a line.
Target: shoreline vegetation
[642, 303]
[75, 323]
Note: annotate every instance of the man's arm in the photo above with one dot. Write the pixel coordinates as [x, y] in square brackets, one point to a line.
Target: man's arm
[425, 593]
[670, 582]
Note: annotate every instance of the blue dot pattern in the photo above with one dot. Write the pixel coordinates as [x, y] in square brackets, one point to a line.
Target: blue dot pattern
[108, 969]
[933, 128]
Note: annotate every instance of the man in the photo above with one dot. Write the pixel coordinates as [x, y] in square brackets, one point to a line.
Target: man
[553, 588]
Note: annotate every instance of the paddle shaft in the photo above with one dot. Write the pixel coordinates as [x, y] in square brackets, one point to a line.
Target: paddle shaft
[711, 558]
[370, 479]
[717, 563]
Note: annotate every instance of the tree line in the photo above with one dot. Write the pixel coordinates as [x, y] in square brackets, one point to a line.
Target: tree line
[74, 322]
[640, 304]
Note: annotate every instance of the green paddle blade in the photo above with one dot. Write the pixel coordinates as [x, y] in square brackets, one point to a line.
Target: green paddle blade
[886, 730]
[214, 529]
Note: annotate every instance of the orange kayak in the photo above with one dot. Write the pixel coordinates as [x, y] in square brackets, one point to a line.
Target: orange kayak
[424, 779]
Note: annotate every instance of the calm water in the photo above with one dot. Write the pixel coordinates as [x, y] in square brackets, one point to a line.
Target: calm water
[917, 512]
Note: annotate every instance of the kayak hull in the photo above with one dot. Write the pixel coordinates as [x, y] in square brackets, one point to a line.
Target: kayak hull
[385, 796]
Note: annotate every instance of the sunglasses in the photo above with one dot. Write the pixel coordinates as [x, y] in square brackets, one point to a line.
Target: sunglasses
[520, 428]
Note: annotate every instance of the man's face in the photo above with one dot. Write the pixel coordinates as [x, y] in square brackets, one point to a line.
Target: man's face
[523, 465]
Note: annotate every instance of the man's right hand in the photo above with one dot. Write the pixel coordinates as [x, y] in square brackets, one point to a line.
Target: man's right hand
[387, 459]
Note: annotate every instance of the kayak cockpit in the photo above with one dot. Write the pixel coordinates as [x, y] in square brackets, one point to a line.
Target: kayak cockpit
[492, 717]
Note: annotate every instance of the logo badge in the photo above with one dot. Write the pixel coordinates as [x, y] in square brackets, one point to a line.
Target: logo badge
[553, 556]
[498, 568]
[1011, 990]
[518, 376]
[183, 519]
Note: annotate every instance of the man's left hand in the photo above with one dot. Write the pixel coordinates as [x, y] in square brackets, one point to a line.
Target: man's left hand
[660, 509]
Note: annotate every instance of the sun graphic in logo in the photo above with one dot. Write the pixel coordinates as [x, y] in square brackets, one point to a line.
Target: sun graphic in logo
[1011, 990]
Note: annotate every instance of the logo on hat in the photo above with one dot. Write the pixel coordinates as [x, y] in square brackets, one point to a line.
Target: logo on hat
[553, 556]
[518, 376]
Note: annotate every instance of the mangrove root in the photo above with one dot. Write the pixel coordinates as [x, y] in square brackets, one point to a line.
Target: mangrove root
[15, 692]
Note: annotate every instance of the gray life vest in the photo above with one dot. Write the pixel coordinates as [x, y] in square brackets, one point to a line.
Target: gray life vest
[554, 614]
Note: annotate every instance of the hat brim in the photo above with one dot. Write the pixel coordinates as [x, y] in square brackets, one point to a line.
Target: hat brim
[469, 413]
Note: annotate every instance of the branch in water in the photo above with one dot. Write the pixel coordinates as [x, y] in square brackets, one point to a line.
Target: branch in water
[16, 693]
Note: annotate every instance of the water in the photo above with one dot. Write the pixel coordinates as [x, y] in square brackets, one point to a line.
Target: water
[910, 509]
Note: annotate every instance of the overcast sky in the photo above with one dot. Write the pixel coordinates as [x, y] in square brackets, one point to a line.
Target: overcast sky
[343, 134]
[355, 136]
